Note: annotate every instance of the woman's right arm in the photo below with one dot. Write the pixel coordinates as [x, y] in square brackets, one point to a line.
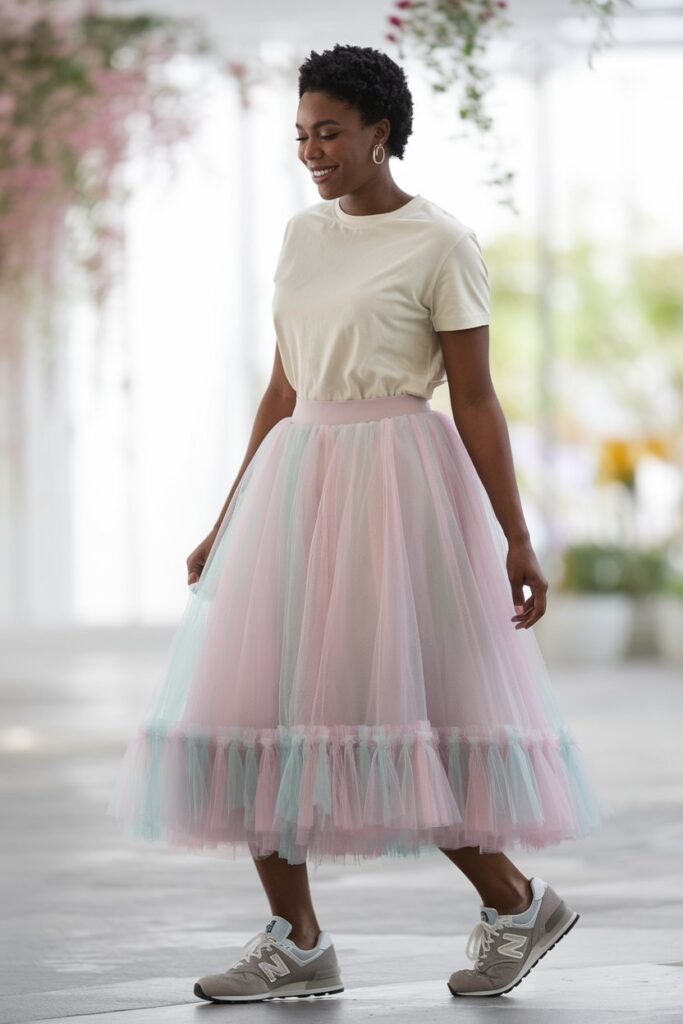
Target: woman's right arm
[278, 401]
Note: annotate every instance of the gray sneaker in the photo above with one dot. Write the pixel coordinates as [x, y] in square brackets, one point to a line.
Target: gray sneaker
[505, 947]
[272, 967]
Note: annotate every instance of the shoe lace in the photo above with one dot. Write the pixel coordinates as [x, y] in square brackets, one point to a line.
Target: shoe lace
[255, 948]
[480, 939]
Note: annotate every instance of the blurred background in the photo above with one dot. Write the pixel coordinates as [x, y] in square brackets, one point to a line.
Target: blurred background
[147, 169]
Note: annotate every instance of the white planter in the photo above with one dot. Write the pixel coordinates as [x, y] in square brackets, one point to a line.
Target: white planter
[644, 642]
[585, 629]
[669, 628]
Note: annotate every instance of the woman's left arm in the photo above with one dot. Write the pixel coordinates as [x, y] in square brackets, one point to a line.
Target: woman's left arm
[481, 424]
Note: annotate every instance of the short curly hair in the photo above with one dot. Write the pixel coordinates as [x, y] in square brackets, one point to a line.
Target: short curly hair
[369, 81]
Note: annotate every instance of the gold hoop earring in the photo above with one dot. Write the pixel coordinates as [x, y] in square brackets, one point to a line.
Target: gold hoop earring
[374, 153]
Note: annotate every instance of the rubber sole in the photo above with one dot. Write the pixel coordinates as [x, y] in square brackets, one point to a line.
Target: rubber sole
[502, 991]
[326, 991]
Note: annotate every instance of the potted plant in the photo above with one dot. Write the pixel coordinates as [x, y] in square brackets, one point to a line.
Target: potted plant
[669, 617]
[602, 608]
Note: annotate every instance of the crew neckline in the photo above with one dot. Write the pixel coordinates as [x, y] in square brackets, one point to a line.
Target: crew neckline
[363, 219]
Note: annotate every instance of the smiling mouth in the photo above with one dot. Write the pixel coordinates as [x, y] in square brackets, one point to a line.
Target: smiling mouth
[326, 173]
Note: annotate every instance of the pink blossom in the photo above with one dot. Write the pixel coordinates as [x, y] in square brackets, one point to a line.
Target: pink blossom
[7, 104]
[42, 124]
[393, 20]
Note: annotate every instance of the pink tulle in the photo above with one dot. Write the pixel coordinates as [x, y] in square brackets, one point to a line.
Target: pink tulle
[346, 678]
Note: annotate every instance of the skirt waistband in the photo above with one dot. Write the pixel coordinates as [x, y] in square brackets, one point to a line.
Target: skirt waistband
[353, 410]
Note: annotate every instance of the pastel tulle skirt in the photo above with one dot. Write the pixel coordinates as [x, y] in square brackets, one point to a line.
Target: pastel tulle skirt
[345, 678]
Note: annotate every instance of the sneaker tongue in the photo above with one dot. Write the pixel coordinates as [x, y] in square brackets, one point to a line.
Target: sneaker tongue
[278, 927]
[489, 915]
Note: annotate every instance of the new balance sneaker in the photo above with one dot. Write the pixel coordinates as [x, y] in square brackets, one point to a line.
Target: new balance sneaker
[504, 947]
[272, 967]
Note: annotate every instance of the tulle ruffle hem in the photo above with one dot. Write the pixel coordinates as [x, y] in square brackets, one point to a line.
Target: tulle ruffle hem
[323, 793]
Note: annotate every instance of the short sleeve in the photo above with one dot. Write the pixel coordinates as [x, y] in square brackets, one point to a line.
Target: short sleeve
[460, 295]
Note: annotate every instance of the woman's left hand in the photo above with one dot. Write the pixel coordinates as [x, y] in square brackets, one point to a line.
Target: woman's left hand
[523, 569]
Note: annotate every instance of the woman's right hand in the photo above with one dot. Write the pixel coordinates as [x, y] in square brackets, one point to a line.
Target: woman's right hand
[197, 559]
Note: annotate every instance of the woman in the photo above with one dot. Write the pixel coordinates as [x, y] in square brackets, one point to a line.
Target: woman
[355, 671]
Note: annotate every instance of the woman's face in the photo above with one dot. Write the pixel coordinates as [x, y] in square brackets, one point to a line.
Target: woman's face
[331, 135]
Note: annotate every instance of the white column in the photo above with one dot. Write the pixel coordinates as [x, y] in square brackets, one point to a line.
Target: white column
[36, 500]
[548, 504]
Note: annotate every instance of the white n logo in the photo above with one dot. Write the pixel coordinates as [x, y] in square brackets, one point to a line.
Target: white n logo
[513, 946]
[275, 968]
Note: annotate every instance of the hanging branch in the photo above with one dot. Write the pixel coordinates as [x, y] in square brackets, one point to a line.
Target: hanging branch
[452, 38]
[71, 86]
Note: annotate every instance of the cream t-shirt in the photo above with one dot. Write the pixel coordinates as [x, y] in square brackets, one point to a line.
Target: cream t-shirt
[358, 299]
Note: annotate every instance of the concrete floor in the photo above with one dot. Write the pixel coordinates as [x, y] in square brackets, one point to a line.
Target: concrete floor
[96, 925]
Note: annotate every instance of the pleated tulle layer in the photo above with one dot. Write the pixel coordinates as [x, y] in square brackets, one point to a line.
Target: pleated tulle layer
[345, 678]
[327, 792]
